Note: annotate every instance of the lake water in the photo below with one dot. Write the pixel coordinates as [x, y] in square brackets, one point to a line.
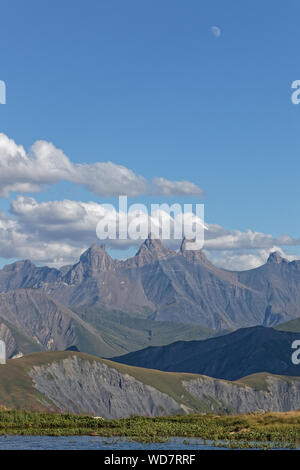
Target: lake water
[92, 443]
[95, 443]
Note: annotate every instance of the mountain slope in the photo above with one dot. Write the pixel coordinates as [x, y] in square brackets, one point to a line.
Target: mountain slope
[279, 281]
[232, 356]
[17, 343]
[128, 332]
[79, 383]
[33, 321]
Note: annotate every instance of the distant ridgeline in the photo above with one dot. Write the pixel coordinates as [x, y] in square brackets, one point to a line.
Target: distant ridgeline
[166, 285]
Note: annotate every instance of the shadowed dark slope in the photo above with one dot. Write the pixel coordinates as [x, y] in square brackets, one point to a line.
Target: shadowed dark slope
[243, 352]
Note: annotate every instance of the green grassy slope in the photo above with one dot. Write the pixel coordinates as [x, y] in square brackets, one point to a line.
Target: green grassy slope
[126, 332]
[92, 342]
[258, 381]
[292, 325]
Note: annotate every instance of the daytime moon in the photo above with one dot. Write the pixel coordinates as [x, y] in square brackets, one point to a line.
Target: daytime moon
[216, 31]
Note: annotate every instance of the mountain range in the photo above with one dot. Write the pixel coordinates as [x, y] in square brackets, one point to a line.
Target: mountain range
[173, 311]
[159, 284]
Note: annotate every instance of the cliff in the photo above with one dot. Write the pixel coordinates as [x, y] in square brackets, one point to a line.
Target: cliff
[74, 382]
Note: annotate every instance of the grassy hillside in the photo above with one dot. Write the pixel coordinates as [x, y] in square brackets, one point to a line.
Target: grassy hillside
[18, 392]
[90, 341]
[125, 332]
[292, 325]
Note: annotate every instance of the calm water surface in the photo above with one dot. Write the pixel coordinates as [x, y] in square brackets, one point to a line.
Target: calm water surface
[95, 443]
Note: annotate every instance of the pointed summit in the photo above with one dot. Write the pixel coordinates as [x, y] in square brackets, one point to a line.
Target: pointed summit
[276, 258]
[152, 243]
[92, 261]
[152, 249]
[96, 258]
[193, 255]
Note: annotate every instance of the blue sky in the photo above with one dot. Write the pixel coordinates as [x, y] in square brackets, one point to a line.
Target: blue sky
[147, 85]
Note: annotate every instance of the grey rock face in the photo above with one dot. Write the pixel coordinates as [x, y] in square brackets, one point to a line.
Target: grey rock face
[276, 257]
[26, 274]
[80, 386]
[84, 386]
[282, 395]
[150, 251]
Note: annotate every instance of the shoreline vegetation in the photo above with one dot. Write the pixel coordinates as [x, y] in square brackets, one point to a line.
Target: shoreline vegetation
[247, 430]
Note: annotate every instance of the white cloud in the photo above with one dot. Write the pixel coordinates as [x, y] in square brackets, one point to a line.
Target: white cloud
[181, 188]
[240, 260]
[56, 232]
[218, 238]
[15, 242]
[76, 221]
[45, 165]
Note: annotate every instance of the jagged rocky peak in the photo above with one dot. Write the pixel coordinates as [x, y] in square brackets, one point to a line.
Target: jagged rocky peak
[96, 258]
[19, 265]
[195, 255]
[153, 243]
[276, 258]
[153, 248]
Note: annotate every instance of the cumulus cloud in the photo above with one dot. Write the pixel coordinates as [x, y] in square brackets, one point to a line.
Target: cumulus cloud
[76, 221]
[44, 164]
[240, 260]
[15, 242]
[165, 187]
[218, 238]
[56, 232]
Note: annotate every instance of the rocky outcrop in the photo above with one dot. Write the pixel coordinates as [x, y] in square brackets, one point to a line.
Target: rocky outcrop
[91, 262]
[276, 257]
[282, 394]
[150, 251]
[78, 383]
[79, 386]
[23, 274]
[193, 256]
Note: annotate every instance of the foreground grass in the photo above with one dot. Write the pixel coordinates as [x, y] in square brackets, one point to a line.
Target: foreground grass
[279, 428]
